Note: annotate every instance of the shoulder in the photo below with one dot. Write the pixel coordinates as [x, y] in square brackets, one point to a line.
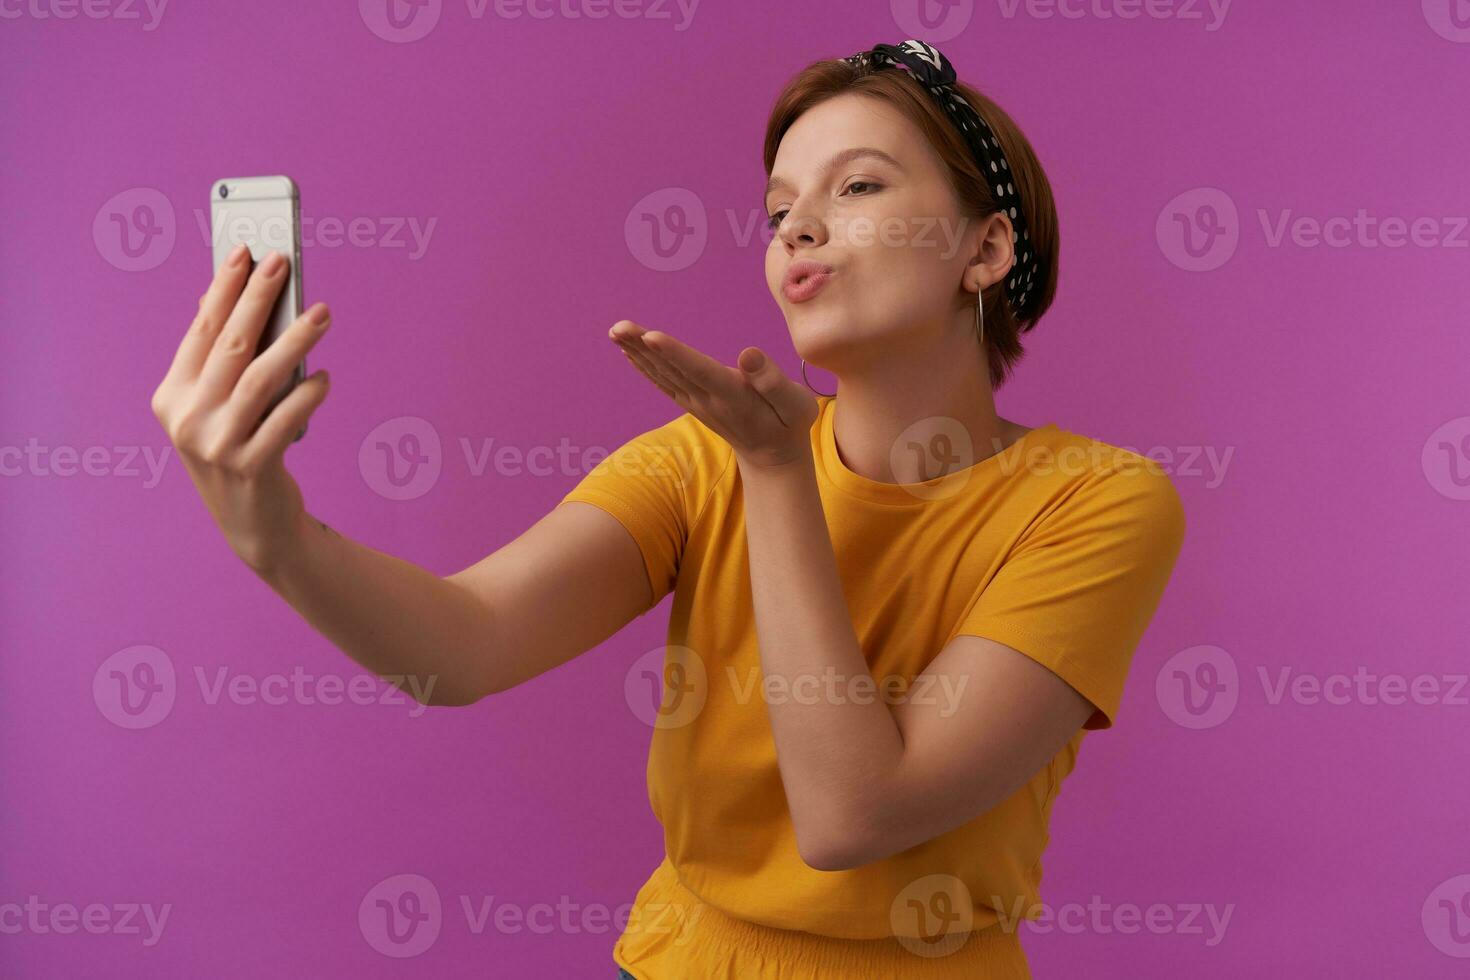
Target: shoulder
[697, 441]
[1109, 485]
[683, 451]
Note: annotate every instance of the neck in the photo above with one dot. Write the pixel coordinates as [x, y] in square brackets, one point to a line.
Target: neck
[919, 417]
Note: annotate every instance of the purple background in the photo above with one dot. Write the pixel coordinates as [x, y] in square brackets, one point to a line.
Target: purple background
[1335, 376]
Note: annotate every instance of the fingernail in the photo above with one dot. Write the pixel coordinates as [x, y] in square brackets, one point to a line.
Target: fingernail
[273, 263]
[237, 255]
[319, 314]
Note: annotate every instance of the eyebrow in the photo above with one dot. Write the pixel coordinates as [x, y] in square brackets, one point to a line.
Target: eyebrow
[844, 157]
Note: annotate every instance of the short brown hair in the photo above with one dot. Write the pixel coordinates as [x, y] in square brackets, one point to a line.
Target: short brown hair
[822, 80]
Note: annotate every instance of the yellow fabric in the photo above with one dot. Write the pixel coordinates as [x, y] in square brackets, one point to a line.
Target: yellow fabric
[1059, 546]
[674, 935]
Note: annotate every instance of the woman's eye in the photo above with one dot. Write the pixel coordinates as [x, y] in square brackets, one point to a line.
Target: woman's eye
[776, 218]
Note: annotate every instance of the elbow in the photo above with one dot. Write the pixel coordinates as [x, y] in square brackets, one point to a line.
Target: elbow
[849, 843]
[834, 856]
[431, 692]
[834, 849]
[865, 841]
[463, 697]
[826, 859]
[446, 701]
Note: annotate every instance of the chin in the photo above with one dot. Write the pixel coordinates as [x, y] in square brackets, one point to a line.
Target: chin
[817, 334]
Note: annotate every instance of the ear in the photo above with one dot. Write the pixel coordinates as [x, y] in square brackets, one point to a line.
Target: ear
[994, 252]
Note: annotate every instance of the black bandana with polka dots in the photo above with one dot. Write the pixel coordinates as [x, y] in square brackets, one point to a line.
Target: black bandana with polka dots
[937, 76]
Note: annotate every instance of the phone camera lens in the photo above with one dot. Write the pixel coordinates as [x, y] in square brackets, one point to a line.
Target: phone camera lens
[224, 190]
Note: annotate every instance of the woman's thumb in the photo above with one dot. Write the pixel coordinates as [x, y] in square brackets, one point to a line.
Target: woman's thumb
[765, 377]
[752, 360]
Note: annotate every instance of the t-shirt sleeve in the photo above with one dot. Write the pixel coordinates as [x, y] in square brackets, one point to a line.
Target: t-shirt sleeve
[654, 484]
[1080, 589]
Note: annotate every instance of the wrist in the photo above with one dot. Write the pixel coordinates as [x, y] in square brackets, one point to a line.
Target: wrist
[289, 552]
[799, 464]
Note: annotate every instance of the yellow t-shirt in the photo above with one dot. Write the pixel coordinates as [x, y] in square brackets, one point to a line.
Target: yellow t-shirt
[1059, 546]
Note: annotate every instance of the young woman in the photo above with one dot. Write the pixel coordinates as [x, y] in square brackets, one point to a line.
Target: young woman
[896, 614]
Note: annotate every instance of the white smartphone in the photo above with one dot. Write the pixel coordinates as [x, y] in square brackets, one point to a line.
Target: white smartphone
[263, 213]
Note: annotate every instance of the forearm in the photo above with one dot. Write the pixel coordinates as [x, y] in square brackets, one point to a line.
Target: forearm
[832, 752]
[397, 619]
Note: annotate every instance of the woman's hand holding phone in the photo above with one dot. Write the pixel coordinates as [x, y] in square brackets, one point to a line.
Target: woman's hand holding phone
[212, 400]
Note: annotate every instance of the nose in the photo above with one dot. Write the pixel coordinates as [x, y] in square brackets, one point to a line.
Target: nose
[803, 227]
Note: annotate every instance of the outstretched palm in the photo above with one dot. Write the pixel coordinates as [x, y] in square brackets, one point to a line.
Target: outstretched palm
[764, 415]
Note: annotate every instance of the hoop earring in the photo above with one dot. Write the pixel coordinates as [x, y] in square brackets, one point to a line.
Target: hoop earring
[980, 318]
[808, 383]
